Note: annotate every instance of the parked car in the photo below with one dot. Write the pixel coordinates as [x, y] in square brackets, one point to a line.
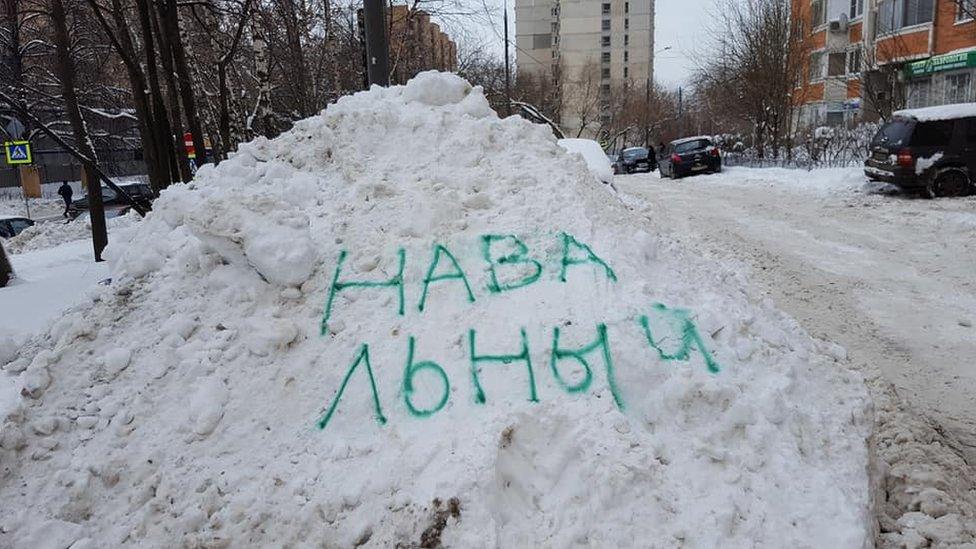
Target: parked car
[111, 200]
[690, 155]
[931, 151]
[596, 160]
[6, 271]
[637, 159]
[11, 226]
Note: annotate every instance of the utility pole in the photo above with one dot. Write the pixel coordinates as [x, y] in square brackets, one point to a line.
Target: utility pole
[508, 71]
[377, 47]
[681, 119]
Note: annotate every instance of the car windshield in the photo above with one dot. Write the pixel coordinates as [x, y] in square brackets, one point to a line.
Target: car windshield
[631, 154]
[893, 134]
[689, 146]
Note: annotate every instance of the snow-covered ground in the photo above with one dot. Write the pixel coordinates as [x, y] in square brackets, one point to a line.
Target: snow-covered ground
[889, 277]
[531, 364]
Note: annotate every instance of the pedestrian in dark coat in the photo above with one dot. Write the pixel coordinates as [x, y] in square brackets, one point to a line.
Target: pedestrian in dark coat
[66, 192]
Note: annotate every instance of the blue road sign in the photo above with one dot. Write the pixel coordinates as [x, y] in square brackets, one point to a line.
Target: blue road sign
[18, 152]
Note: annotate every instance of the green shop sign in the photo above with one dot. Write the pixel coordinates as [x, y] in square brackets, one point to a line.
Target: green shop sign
[941, 63]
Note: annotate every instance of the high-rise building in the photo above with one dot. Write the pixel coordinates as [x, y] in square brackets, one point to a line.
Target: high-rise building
[587, 51]
[869, 57]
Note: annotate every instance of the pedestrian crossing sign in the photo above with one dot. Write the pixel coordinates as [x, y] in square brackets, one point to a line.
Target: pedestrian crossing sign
[18, 152]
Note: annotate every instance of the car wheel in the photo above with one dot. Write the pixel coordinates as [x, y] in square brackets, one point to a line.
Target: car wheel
[949, 182]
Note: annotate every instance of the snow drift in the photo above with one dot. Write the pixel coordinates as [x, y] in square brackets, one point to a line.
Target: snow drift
[409, 322]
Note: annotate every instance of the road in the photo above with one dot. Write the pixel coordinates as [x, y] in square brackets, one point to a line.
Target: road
[891, 278]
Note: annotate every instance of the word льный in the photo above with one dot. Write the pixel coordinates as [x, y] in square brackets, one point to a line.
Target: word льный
[573, 253]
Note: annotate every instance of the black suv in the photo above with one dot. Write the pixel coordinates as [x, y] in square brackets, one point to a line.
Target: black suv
[931, 151]
[690, 155]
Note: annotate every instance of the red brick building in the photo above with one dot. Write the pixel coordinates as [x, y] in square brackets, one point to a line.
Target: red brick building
[868, 57]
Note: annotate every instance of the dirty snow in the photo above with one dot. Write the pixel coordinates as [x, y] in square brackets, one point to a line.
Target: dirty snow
[182, 404]
[887, 276]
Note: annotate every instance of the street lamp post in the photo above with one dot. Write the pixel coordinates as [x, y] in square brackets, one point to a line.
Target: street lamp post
[647, 99]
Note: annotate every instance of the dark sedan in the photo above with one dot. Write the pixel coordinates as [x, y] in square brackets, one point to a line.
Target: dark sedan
[11, 226]
[688, 156]
[113, 203]
[636, 159]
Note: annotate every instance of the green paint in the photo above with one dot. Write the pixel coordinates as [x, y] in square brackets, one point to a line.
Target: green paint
[336, 286]
[601, 342]
[363, 356]
[475, 359]
[411, 370]
[569, 240]
[458, 274]
[689, 337]
[518, 257]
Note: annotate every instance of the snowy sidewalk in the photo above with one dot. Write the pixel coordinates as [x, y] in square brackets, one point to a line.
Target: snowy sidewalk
[48, 281]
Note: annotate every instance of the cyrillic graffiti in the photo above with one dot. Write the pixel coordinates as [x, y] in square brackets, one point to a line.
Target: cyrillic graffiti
[511, 267]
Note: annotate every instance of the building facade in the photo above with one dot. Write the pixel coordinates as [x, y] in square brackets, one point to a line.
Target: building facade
[416, 43]
[870, 57]
[588, 51]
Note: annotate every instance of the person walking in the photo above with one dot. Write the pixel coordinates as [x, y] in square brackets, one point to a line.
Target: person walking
[66, 192]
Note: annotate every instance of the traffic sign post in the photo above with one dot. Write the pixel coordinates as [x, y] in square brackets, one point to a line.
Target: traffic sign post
[18, 152]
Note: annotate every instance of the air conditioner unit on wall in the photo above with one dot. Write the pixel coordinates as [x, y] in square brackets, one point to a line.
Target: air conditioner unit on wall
[839, 24]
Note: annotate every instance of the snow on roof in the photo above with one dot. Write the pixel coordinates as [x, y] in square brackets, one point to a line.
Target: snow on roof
[688, 139]
[2, 217]
[941, 112]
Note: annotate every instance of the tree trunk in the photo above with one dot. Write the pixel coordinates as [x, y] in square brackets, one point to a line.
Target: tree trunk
[159, 120]
[171, 27]
[172, 92]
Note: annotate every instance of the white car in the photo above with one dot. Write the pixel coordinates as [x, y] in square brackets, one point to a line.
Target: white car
[595, 158]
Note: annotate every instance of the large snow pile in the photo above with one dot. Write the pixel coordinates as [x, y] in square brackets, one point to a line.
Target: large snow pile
[408, 322]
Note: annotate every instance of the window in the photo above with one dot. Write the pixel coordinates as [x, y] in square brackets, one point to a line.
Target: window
[606, 24]
[605, 73]
[965, 10]
[606, 9]
[958, 88]
[835, 118]
[605, 41]
[554, 27]
[837, 64]
[897, 14]
[555, 11]
[854, 61]
[818, 10]
[857, 8]
[919, 93]
[626, 7]
[626, 56]
[605, 57]
[626, 24]
[932, 134]
[626, 39]
[605, 89]
[919, 11]
[816, 68]
[625, 72]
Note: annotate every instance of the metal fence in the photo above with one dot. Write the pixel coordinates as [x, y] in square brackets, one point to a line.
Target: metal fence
[796, 163]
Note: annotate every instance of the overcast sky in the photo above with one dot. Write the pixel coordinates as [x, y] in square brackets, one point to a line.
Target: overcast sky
[679, 25]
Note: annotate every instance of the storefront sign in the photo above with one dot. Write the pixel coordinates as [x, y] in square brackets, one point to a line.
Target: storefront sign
[941, 63]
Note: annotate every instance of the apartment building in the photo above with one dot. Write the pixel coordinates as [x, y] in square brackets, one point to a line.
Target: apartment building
[869, 57]
[587, 49]
[416, 44]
